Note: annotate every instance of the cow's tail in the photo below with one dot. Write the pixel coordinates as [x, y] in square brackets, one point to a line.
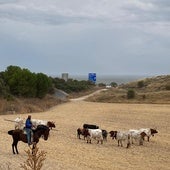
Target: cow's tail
[10, 132]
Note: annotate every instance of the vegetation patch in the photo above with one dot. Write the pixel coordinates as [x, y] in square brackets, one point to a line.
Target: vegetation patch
[149, 90]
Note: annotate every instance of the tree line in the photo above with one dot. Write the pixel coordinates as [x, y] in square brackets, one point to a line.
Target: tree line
[15, 81]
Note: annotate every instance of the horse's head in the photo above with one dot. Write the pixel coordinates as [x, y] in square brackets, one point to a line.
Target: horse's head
[51, 124]
[43, 130]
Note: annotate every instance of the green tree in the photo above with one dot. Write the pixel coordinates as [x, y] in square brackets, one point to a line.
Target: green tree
[72, 85]
[4, 90]
[12, 78]
[27, 84]
[43, 84]
[21, 82]
[113, 84]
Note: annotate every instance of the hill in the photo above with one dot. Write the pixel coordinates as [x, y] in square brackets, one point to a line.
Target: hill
[19, 105]
[149, 90]
[28, 105]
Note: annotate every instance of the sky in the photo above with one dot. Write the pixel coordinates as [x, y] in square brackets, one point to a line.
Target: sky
[106, 37]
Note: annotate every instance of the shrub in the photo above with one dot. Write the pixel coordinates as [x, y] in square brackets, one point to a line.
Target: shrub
[35, 159]
[140, 84]
[113, 84]
[130, 94]
[101, 85]
[167, 87]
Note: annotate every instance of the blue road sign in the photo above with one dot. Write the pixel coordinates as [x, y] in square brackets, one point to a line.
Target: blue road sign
[92, 77]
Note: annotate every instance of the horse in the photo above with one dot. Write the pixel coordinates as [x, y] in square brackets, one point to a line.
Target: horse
[18, 135]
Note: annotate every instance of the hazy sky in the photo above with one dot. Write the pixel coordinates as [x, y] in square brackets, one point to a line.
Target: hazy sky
[115, 37]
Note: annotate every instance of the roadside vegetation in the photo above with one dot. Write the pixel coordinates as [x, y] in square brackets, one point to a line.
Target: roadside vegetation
[149, 90]
[18, 82]
[24, 91]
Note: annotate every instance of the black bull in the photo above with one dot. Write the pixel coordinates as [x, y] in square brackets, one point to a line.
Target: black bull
[89, 126]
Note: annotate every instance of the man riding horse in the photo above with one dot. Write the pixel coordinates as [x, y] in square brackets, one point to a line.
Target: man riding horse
[18, 135]
[28, 128]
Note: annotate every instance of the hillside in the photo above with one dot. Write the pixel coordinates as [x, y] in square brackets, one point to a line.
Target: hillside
[149, 90]
[28, 105]
[153, 84]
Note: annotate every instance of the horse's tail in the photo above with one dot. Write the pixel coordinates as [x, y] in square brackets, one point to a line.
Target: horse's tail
[10, 132]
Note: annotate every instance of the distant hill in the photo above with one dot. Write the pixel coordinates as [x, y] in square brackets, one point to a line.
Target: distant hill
[153, 84]
[148, 90]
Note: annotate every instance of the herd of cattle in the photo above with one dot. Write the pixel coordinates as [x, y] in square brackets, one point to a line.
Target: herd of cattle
[89, 132]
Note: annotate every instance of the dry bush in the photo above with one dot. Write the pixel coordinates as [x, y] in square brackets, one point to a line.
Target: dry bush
[35, 159]
[28, 105]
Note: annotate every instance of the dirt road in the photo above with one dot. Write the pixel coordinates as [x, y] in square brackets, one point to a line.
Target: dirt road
[85, 97]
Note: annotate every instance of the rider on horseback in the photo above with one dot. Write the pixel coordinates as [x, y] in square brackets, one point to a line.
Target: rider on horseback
[28, 127]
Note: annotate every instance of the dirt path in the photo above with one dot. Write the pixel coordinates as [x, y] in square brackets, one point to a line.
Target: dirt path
[85, 97]
[65, 151]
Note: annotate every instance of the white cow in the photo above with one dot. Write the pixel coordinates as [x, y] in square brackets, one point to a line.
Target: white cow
[36, 122]
[19, 123]
[149, 132]
[93, 134]
[121, 136]
[137, 135]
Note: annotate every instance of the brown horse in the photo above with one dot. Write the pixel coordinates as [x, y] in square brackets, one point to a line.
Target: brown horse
[18, 135]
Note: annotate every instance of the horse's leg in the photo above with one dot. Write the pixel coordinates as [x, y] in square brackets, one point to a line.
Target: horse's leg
[15, 145]
[13, 148]
[78, 135]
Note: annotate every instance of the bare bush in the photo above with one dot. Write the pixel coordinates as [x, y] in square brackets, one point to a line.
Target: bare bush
[35, 159]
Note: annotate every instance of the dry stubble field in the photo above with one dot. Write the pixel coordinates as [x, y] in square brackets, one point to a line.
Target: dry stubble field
[66, 152]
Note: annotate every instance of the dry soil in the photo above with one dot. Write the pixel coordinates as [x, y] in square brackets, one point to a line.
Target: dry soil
[66, 152]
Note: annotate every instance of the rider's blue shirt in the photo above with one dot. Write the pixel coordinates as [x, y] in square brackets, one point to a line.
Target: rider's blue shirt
[28, 124]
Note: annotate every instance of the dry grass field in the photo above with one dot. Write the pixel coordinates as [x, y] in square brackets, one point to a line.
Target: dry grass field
[66, 152]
